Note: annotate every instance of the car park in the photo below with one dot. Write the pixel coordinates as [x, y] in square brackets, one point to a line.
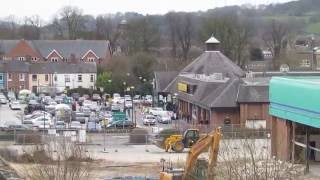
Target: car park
[15, 105]
[149, 120]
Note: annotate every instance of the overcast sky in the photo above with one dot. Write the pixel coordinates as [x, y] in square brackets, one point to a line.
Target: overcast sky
[47, 8]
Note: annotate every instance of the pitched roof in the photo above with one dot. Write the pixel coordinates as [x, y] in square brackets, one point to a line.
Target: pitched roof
[16, 66]
[63, 68]
[253, 93]
[208, 94]
[64, 47]
[212, 40]
[211, 62]
[163, 79]
[76, 47]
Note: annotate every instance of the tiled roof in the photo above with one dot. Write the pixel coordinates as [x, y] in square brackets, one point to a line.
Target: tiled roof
[64, 47]
[211, 62]
[163, 79]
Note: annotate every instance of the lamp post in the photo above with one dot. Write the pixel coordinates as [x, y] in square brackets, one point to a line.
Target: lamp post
[124, 92]
[132, 89]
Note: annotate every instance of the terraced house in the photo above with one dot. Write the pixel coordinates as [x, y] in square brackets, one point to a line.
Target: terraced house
[51, 65]
[44, 51]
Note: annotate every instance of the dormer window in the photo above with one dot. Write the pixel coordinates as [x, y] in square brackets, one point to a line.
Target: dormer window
[34, 59]
[21, 58]
[91, 59]
[54, 59]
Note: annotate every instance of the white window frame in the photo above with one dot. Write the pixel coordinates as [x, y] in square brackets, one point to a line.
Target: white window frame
[21, 58]
[54, 59]
[91, 59]
[9, 77]
[66, 78]
[34, 59]
[21, 77]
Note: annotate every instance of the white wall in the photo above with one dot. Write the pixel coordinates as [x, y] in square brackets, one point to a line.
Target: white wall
[74, 83]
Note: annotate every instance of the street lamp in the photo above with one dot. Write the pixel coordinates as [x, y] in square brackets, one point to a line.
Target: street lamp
[124, 92]
[132, 88]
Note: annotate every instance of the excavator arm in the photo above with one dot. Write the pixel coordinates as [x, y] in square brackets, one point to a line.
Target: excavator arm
[211, 141]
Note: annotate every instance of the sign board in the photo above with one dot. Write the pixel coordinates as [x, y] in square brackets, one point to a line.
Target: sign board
[118, 116]
[183, 87]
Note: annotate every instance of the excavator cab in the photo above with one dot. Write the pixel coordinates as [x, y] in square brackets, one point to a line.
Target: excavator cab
[190, 137]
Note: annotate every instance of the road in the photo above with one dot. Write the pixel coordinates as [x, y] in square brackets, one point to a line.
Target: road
[8, 116]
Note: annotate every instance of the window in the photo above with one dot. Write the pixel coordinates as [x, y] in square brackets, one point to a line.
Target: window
[21, 77]
[91, 78]
[55, 78]
[22, 86]
[79, 78]
[79, 87]
[21, 58]
[54, 59]
[34, 77]
[34, 58]
[9, 77]
[1, 78]
[66, 78]
[305, 63]
[67, 87]
[46, 77]
[91, 59]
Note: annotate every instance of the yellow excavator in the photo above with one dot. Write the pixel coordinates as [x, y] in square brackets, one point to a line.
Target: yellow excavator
[211, 141]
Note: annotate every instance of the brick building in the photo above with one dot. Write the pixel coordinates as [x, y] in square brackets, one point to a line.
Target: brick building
[213, 91]
[40, 51]
[17, 75]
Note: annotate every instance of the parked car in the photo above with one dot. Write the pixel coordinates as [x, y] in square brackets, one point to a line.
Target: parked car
[96, 97]
[17, 127]
[15, 105]
[86, 111]
[136, 99]
[79, 116]
[33, 107]
[60, 125]
[155, 111]
[75, 96]
[28, 123]
[3, 100]
[165, 118]
[58, 99]
[93, 127]
[128, 104]
[115, 107]
[86, 96]
[75, 125]
[87, 103]
[149, 120]
[148, 99]
[42, 122]
[121, 125]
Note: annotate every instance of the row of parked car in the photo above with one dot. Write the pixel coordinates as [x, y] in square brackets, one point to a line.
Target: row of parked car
[157, 114]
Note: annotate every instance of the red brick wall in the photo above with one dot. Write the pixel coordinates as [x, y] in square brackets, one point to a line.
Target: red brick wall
[281, 138]
[16, 84]
[254, 111]
[218, 115]
[22, 49]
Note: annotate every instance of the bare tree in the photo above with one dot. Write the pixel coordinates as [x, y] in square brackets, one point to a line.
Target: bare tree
[31, 28]
[72, 16]
[171, 20]
[275, 38]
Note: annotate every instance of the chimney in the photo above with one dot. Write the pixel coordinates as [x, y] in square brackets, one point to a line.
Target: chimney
[73, 59]
[212, 44]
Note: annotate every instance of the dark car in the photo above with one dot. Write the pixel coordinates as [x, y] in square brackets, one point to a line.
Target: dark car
[121, 125]
[33, 107]
[17, 127]
[79, 116]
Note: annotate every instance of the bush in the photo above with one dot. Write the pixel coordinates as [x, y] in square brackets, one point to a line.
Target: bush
[139, 136]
